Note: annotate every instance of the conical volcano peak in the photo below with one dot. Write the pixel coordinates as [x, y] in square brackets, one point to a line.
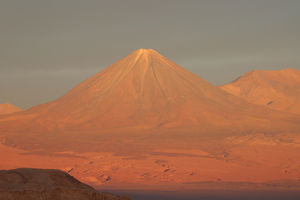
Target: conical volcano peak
[143, 89]
[146, 52]
[143, 59]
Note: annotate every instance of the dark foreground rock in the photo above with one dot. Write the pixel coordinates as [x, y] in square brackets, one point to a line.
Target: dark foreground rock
[46, 184]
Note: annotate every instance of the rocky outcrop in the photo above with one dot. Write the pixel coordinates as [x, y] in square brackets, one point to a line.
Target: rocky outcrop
[47, 184]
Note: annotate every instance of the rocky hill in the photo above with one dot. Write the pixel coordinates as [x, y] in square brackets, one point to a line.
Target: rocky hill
[46, 184]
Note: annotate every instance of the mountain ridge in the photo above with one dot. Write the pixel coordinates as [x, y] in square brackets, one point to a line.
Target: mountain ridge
[279, 90]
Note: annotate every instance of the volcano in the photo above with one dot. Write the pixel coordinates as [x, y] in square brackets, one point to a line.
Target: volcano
[144, 120]
[144, 90]
[279, 90]
[7, 108]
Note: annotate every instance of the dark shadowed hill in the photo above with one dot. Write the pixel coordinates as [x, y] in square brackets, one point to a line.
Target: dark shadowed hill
[46, 184]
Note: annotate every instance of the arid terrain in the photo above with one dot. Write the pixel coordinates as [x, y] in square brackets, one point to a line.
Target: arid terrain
[146, 123]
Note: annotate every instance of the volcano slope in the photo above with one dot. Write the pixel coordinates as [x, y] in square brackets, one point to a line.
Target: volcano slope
[147, 122]
[278, 90]
[7, 108]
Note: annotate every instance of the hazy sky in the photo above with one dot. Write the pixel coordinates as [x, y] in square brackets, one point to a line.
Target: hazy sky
[49, 46]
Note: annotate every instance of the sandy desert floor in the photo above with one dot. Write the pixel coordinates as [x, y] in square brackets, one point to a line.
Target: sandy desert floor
[249, 162]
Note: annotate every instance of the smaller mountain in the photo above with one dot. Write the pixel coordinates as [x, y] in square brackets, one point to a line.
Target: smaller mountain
[46, 184]
[279, 90]
[7, 108]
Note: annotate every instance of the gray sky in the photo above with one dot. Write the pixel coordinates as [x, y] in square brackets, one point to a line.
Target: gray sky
[49, 46]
